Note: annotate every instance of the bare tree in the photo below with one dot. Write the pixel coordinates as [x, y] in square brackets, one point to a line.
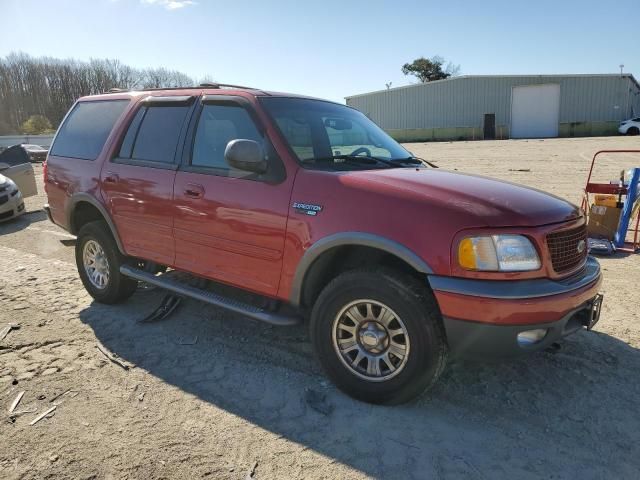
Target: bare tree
[48, 86]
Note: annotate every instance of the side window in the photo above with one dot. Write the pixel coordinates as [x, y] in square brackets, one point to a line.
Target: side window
[86, 129]
[217, 126]
[153, 134]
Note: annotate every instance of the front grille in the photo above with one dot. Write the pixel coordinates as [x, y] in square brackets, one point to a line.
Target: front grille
[3, 199]
[568, 248]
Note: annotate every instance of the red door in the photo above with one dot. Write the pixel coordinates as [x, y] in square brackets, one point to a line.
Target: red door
[137, 185]
[229, 224]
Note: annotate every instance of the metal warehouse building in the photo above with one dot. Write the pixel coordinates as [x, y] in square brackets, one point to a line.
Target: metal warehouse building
[496, 106]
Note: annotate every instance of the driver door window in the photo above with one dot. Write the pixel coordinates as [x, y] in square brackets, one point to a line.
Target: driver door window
[218, 125]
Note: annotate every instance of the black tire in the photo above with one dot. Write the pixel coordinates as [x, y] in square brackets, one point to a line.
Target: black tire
[118, 288]
[633, 131]
[413, 302]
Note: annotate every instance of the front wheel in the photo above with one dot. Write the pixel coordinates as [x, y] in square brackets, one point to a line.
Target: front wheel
[633, 131]
[98, 260]
[379, 335]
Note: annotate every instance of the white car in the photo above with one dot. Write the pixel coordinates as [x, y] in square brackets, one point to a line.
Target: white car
[17, 181]
[630, 127]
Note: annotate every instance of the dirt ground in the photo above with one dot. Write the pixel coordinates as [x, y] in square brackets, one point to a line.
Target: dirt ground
[215, 395]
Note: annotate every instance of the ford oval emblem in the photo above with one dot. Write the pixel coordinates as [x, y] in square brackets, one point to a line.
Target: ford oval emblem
[581, 246]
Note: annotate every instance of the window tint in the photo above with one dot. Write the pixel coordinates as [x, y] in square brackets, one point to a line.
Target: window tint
[298, 133]
[129, 138]
[86, 129]
[217, 126]
[158, 129]
[315, 130]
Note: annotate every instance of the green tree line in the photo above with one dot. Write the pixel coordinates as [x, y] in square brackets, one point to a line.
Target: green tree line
[35, 93]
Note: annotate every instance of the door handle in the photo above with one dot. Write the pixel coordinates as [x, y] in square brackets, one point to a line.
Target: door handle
[111, 177]
[194, 190]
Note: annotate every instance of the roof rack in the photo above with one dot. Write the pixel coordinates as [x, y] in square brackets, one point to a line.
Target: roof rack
[202, 85]
[225, 85]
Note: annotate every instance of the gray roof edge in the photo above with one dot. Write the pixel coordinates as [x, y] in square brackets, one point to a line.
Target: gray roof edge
[451, 79]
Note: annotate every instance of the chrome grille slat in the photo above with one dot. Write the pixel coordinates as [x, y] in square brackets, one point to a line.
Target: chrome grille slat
[563, 248]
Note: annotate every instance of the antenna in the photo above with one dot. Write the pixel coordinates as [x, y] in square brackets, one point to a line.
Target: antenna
[621, 67]
[388, 85]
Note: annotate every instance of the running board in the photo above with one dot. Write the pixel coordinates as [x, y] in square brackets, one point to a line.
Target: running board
[210, 297]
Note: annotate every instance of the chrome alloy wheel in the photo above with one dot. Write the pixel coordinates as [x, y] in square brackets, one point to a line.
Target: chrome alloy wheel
[95, 264]
[371, 340]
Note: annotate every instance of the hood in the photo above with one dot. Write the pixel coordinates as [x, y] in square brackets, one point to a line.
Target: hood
[493, 203]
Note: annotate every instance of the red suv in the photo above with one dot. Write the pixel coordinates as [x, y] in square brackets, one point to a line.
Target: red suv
[313, 212]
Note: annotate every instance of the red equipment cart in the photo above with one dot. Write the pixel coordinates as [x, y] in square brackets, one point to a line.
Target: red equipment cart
[613, 189]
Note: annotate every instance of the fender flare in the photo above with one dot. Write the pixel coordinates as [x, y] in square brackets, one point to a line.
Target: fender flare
[345, 239]
[85, 197]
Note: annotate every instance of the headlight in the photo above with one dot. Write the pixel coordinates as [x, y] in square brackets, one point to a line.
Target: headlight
[498, 253]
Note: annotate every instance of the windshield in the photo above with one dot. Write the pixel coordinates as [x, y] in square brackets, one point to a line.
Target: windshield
[324, 134]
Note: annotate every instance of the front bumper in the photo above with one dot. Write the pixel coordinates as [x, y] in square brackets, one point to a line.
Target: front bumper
[12, 207]
[483, 318]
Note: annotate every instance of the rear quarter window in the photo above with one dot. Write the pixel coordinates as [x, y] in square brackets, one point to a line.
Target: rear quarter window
[85, 130]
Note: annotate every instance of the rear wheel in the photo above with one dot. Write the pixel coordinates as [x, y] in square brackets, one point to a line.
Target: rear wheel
[98, 260]
[378, 335]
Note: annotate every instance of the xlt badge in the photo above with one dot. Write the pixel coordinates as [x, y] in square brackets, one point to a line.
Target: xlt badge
[307, 208]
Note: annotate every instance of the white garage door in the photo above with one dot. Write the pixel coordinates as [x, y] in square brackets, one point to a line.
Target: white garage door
[535, 111]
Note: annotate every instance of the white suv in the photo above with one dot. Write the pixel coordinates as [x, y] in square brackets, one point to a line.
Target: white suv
[630, 127]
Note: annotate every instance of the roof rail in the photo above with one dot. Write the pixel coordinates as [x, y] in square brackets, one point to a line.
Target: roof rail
[202, 85]
[225, 85]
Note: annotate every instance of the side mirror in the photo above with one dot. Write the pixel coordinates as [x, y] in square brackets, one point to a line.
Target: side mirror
[245, 155]
[4, 166]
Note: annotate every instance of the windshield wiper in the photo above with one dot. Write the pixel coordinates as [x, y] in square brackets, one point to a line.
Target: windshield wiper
[416, 160]
[360, 159]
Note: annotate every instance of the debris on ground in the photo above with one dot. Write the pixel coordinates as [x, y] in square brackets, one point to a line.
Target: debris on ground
[318, 401]
[7, 328]
[59, 395]
[519, 169]
[114, 358]
[18, 413]
[57, 400]
[43, 415]
[167, 306]
[251, 471]
[141, 396]
[16, 402]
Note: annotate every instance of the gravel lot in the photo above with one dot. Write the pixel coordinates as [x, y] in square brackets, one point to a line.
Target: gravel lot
[219, 396]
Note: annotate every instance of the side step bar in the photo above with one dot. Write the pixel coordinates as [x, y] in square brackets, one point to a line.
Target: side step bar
[212, 298]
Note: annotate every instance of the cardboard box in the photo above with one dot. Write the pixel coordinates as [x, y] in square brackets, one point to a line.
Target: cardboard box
[603, 221]
[606, 200]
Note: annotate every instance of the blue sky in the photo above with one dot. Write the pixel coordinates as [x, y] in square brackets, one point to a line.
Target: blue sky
[328, 48]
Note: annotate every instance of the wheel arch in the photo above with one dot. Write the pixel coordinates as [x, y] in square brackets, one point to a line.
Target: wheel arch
[85, 208]
[319, 261]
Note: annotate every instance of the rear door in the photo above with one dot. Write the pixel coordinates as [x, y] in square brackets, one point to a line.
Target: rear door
[137, 184]
[230, 224]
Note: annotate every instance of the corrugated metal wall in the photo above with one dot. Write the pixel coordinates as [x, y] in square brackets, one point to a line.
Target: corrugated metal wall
[463, 101]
